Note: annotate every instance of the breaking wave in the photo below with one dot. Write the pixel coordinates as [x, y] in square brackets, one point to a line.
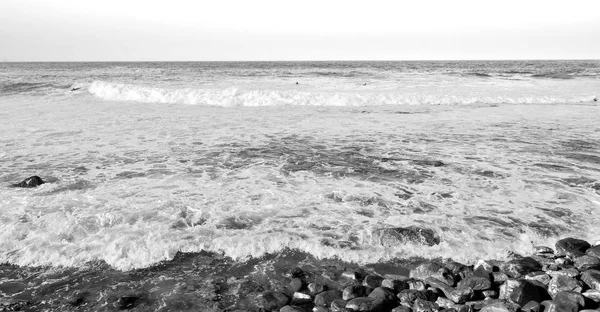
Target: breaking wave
[234, 96]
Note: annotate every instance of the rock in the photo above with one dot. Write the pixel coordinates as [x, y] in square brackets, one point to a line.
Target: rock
[296, 284]
[593, 251]
[458, 295]
[365, 304]
[543, 250]
[401, 309]
[408, 296]
[518, 267]
[274, 300]
[9, 304]
[289, 308]
[297, 273]
[389, 237]
[431, 269]
[315, 288]
[321, 309]
[383, 294]
[531, 306]
[499, 277]
[421, 305]
[569, 272]
[592, 294]
[570, 296]
[490, 294]
[587, 262]
[32, 181]
[525, 292]
[417, 285]
[127, 302]
[483, 268]
[563, 283]
[338, 305]
[563, 306]
[475, 283]
[539, 276]
[300, 298]
[499, 306]
[355, 291]
[572, 247]
[373, 281]
[327, 297]
[563, 261]
[591, 278]
[394, 284]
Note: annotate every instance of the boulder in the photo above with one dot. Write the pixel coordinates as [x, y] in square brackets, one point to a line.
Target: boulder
[408, 296]
[593, 251]
[587, 262]
[475, 283]
[355, 291]
[383, 294]
[315, 288]
[591, 278]
[571, 247]
[531, 306]
[364, 304]
[592, 294]
[570, 296]
[389, 237]
[289, 308]
[539, 276]
[296, 284]
[373, 281]
[563, 283]
[421, 305]
[32, 181]
[394, 284]
[327, 297]
[562, 306]
[517, 268]
[338, 305]
[499, 306]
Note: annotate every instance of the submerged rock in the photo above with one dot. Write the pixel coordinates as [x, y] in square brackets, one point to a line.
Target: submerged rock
[32, 181]
[389, 237]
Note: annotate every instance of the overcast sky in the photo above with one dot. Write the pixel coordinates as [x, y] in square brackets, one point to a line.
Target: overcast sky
[199, 30]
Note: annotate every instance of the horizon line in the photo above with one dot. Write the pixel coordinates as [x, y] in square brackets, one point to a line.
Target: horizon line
[323, 60]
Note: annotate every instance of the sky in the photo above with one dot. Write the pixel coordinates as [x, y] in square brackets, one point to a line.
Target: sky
[230, 30]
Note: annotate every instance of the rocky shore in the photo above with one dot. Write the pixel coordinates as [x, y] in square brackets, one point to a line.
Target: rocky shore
[562, 280]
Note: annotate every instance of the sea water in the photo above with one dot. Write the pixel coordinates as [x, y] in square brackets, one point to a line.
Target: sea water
[144, 160]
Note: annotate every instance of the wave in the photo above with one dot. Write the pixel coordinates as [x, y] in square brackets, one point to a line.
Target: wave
[11, 88]
[233, 96]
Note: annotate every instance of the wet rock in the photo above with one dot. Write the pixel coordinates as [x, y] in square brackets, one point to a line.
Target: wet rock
[289, 308]
[301, 298]
[572, 247]
[563, 283]
[297, 273]
[543, 250]
[570, 296]
[127, 302]
[373, 281]
[320, 309]
[570, 272]
[365, 304]
[500, 306]
[389, 237]
[587, 262]
[315, 288]
[338, 305]
[383, 294]
[428, 269]
[523, 292]
[560, 306]
[459, 295]
[591, 278]
[394, 284]
[518, 267]
[531, 306]
[401, 309]
[421, 305]
[408, 296]
[475, 283]
[9, 304]
[327, 297]
[490, 294]
[483, 268]
[563, 261]
[539, 276]
[499, 277]
[593, 251]
[274, 300]
[592, 294]
[355, 291]
[32, 181]
[417, 285]
[296, 284]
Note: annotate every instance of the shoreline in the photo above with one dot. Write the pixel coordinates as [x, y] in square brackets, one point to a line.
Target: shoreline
[207, 281]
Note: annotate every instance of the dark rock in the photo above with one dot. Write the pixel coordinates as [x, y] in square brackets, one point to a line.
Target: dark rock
[593, 251]
[572, 247]
[389, 237]
[475, 283]
[315, 288]
[408, 296]
[543, 250]
[327, 297]
[289, 308]
[587, 262]
[570, 296]
[591, 278]
[421, 305]
[562, 306]
[296, 284]
[32, 181]
[373, 281]
[355, 291]
[383, 294]
[459, 295]
[524, 292]
[531, 306]
[563, 261]
[518, 267]
[297, 273]
[483, 268]
[274, 300]
[127, 302]
[490, 294]
[394, 284]
[563, 283]
[365, 304]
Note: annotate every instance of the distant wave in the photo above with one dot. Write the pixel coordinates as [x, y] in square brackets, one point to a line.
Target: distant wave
[248, 97]
[11, 88]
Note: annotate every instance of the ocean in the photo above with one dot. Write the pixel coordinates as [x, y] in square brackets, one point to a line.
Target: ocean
[156, 171]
